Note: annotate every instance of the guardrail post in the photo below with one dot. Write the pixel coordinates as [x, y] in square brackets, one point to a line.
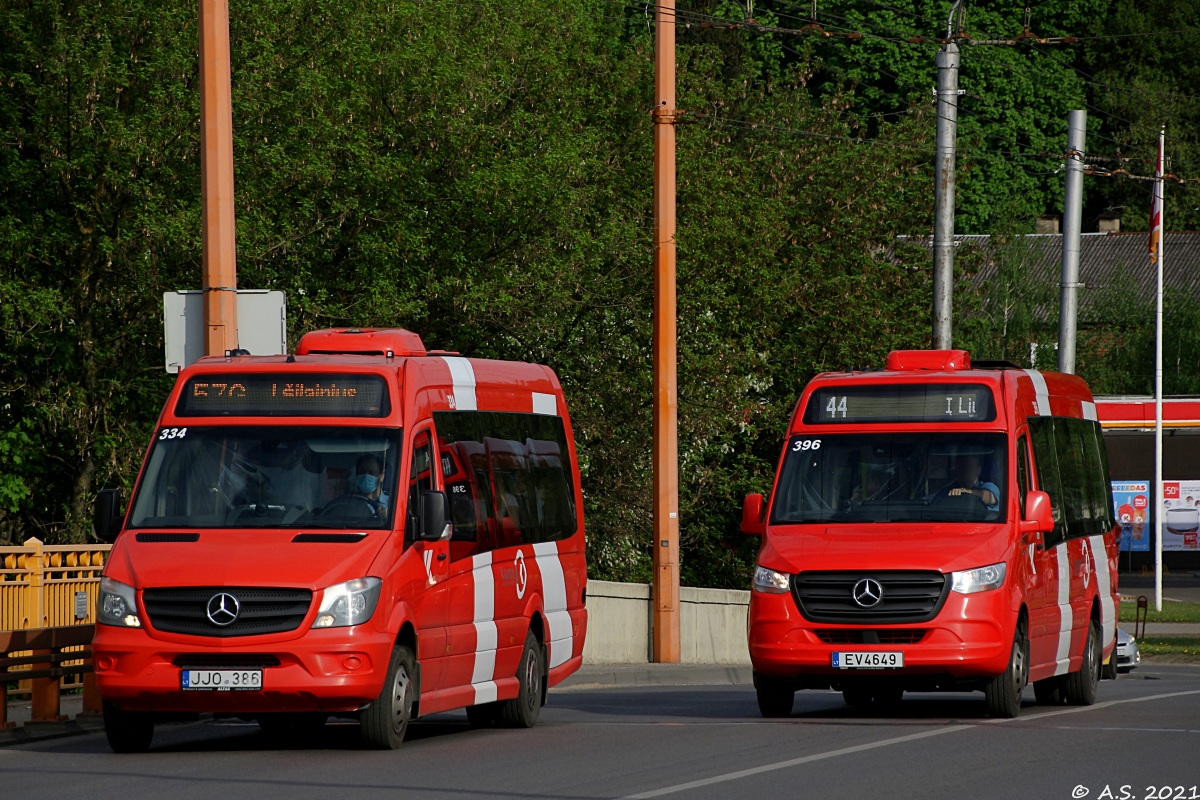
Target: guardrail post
[92, 704]
[44, 695]
[35, 602]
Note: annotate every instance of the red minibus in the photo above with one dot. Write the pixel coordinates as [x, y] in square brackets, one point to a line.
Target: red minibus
[936, 527]
[363, 529]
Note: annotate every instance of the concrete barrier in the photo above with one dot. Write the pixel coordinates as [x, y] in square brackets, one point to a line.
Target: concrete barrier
[712, 624]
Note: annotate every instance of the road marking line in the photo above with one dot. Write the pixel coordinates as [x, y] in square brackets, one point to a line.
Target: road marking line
[795, 762]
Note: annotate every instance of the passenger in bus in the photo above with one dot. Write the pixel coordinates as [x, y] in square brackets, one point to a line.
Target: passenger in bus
[967, 481]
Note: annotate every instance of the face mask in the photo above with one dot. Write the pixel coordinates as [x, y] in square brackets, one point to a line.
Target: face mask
[367, 483]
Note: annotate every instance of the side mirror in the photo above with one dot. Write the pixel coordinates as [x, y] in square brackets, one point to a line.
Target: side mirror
[754, 515]
[435, 525]
[107, 515]
[1038, 517]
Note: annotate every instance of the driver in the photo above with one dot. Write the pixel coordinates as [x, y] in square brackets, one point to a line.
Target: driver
[368, 482]
[966, 481]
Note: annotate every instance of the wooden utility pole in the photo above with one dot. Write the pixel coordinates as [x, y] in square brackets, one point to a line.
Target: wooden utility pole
[666, 405]
[216, 181]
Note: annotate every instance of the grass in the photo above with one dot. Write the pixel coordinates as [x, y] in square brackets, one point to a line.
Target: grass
[1170, 646]
[1172, 611]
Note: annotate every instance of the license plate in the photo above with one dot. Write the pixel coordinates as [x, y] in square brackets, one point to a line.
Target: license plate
[868, 660]
[221, 680]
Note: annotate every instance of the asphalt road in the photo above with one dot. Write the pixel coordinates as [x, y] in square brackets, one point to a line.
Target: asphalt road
[1141, 740]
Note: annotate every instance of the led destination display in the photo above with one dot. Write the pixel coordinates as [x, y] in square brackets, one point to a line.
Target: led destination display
[939, 402]
[284, 396]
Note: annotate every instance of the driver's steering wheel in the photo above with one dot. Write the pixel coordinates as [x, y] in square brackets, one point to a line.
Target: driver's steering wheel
[355, 506]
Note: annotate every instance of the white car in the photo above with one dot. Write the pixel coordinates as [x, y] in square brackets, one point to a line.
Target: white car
[1128, 657]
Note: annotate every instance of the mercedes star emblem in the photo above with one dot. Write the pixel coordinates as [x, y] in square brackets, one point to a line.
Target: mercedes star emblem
[223, 609]
[867, 592]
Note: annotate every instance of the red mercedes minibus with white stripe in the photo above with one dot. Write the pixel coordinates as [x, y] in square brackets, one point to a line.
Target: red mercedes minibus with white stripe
[936, 527]
[363, 529]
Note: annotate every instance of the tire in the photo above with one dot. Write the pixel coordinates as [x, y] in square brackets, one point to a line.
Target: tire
[1003, 692]
[774, 699]
[128, 731]
[1108, 672]
[1080, 687]
[484, 715]
[523, 710]
[1049, 692]
[385, 721]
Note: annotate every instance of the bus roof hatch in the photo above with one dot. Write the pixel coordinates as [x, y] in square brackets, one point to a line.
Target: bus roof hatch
[941, 360]
[364, 342]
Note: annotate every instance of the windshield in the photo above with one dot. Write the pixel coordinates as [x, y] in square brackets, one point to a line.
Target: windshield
[277, 477]
[892, 477]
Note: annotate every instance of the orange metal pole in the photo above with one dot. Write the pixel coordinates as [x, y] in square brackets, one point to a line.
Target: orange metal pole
[666, 405]
[216, 181]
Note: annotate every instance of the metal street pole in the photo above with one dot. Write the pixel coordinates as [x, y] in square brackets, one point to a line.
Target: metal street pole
[216, 181]
[1072, 225]
[666, 406]
[943, 223]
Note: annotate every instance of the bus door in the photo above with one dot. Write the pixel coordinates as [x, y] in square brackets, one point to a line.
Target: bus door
[1040, 566]
[431, 600]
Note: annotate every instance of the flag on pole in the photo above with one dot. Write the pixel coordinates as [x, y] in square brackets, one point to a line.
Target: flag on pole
[1156, 207]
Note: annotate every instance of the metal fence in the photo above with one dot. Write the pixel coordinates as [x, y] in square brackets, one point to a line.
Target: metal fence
[48, 587]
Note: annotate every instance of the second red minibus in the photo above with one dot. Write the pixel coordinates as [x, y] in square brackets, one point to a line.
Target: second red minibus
[936, 527]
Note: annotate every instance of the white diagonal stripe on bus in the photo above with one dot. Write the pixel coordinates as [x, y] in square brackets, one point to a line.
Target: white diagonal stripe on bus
[561, 636]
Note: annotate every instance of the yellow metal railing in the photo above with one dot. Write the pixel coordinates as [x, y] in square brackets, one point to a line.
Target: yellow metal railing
[47, 586]
[43, 587]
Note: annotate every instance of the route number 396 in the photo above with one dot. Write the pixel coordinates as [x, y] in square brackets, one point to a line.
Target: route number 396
[801, 445]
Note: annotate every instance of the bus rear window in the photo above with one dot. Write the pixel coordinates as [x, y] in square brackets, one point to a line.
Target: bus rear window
[910, 402]
[274, 395]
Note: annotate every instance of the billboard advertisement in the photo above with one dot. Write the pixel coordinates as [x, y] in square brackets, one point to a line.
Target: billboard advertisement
[1131, 502]
[1180, 516]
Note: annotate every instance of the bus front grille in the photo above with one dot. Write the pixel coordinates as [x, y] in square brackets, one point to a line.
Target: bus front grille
[884, 597]
[225, 611]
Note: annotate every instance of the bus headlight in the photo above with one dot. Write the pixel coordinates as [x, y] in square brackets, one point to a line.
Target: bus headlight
[770, 581]
[981, 579]
[117, 604]
[349, 603]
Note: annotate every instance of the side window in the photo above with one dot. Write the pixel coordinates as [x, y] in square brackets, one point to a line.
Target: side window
[1109, 513]
[509, 479]
[420, 479]
[1022, 472]
[1072, 467]
[1046, 468]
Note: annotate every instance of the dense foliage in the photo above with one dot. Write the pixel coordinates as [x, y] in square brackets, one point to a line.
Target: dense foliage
[481, 173]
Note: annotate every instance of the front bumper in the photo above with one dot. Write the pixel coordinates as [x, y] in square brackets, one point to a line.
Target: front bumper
[337, 670]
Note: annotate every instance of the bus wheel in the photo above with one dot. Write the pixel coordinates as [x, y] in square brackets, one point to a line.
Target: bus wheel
[385, 721]
[1049, 692]
[127, 731]
[1080, 687]
[774, 699]
[1003, 692]
[524, 709]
